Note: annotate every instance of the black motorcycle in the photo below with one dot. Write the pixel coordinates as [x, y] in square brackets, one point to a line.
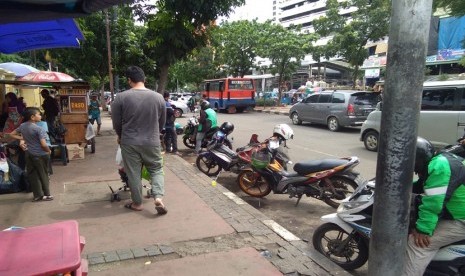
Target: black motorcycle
[220, 157]
[189, 138]
[344, 237]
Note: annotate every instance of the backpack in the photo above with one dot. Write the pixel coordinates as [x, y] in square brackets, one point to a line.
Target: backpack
[170, 118]
[457, 178]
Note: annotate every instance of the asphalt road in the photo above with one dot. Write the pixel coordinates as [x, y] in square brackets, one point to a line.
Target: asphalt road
[310, 142]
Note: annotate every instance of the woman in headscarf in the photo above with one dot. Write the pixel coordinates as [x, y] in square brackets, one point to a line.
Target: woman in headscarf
[14, 108]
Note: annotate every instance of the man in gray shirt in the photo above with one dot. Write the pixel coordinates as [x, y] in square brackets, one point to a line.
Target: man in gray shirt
[138, 116]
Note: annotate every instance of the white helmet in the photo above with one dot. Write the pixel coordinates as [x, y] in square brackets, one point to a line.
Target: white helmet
[283, 130]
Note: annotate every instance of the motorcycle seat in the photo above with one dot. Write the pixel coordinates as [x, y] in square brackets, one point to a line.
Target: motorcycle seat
[210, 133]
[312, 166]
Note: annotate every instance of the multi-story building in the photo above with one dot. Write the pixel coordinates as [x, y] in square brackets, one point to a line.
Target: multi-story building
[303, 13]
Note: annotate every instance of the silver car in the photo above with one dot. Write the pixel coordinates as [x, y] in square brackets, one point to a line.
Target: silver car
[442, 115]
[335, 109]
[180, 108]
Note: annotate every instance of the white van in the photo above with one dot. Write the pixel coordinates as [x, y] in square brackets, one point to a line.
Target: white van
[442, 115]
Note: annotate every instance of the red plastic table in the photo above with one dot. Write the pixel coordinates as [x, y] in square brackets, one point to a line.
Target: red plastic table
[41, 250]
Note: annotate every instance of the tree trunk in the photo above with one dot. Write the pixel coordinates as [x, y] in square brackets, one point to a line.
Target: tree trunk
[354, 76]
[163, 78]
[280, 89]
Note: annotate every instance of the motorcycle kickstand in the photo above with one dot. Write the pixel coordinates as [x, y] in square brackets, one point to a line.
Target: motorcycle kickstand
[216, 177]
[299, 197]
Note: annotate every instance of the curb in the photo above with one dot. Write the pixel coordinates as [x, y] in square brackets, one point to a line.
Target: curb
[288, 253]
[273, 111]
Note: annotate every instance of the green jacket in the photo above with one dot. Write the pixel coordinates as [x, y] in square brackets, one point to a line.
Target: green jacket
[210, 121]
[441, 174]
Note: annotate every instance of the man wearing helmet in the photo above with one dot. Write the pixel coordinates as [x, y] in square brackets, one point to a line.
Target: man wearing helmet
[207, 121]
[441, 213]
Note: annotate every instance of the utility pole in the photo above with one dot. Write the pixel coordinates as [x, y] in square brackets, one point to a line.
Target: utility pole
[110, 73]
[408, 36]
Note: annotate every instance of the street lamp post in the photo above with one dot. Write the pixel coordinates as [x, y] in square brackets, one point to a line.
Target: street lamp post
[110, 73]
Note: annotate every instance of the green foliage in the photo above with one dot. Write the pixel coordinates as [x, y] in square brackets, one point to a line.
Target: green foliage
[285, 48]
[178, 27]
[90, 62]
[454, 7]
[13, 58]
[462, 61]
[265, 102]
[370, 22]
[238, 44]
[443, 77]
[198, 66]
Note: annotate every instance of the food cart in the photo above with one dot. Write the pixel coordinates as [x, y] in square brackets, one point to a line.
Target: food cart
[73, 103]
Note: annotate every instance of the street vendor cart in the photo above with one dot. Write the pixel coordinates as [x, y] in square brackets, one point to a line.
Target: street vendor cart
[73, 117]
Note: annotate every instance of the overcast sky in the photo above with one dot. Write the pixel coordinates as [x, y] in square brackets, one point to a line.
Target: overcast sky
[261, 9]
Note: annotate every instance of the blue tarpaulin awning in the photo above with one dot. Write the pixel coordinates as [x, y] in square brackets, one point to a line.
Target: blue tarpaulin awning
[58, 33]
[38, 10]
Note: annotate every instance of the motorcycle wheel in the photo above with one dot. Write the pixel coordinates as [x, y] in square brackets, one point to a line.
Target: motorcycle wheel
[253, 184]
[327, 239]
[207, 165]
[342, 185]
[188, 142]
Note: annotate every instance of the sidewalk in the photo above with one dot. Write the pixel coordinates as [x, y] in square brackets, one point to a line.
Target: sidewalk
[207, 231]
[281, 110]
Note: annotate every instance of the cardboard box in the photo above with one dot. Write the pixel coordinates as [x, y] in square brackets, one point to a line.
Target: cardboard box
[75, 152]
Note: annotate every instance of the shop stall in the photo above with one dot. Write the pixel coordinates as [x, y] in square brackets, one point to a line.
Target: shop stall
[73, 103]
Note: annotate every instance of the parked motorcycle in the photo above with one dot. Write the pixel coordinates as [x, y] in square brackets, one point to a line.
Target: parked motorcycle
[189, 138]
[345, 235]
[330, 180]
[220, 157]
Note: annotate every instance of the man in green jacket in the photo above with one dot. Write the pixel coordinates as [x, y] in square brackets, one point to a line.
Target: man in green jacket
[207, 121]
[441, 213]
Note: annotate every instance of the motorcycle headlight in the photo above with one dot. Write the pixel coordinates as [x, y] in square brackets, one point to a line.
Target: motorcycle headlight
[349, 205]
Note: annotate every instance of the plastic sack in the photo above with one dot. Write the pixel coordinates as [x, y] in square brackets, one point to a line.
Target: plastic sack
[119, 157]
[14, 182]
[4, 163]
[90, 133]
[145, 174]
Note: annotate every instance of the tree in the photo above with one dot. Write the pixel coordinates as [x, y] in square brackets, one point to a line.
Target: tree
[238, 44]
[90, 62]
[285, 48]
[201, 64]
[178, 27]
[369, 22]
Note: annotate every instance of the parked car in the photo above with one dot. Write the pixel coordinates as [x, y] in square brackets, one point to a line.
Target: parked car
[335, 109]
[180, 108]
[442, 115]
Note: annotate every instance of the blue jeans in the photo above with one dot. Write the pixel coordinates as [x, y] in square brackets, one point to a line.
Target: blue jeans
[133, 159]
[198, 141]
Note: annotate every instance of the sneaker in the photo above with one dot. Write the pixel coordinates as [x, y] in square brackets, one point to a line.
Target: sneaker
[47, 198]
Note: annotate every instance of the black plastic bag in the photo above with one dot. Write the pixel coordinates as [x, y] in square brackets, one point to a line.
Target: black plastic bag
[15, 181]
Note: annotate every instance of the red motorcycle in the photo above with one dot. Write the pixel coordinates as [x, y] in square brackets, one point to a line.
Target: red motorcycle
[329, 180]
[220, 157]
